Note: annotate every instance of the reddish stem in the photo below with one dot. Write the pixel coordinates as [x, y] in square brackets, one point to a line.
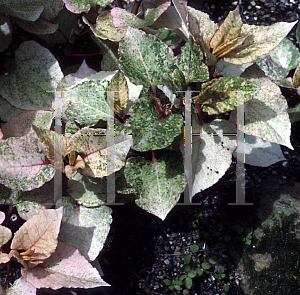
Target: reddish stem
[93, 5]
[136, 6]
[199, 116]
[85, 54]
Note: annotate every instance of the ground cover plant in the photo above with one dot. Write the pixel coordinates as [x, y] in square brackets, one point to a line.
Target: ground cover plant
[133, 108]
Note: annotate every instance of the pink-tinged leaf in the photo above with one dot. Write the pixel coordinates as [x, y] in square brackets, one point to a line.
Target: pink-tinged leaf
[123, 19]
[22, 163]
[2, 217]
[181, 7]
[39, 234]
[21, 125]
[65, 268]
[21, 286]
[4, 258]
[78, 6]
[5, 235]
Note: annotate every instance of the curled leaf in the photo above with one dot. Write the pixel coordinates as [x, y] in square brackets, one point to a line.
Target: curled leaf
[38, 236]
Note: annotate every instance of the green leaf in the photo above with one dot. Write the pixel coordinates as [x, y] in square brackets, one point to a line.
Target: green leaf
[85, 102]
[177, 287]
[190, 62]
[239, 229]
[158, 185]
[227, 238]
[194, 248]
[205, 265]
[167, 282]
[192, 273]
[144, 58]
[213, 260]
[221, 269]
[248, 241]
[226, 287]
[280, 60]
[188, 282]
[148, 132]
[199, 271]
[186, 268]
[186, 259]
[224, 96]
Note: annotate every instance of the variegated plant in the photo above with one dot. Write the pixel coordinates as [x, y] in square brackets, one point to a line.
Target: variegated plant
[138, 99]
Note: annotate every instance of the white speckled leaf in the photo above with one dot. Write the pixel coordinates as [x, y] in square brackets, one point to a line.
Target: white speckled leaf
[87, 191]
[159, 186]
[148, 132]
[85, 102]
[211, 153]
[259, 152]
[22, 163]
[22, 124]
[78, 6]
[36, 72]
[224, 96]
[122, 18]
[84, 228]
[266, 114]
[200, 23]
[29, 10]
[29, 203]
[2, 217]
[8, 111]
[144, 58]
[261, 40]
[190, 62]
[181, 7]
[280, 60]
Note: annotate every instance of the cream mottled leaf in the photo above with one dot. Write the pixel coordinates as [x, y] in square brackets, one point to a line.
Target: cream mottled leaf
[21, 286]
[228, 31]
[149, 132]
[5, 235]
[121, 95]
[84, 228]
[36, 74]
[266, 114]
[22, 163]
[158, 185]
[144, 58]
[123, 19]
[223, 96]
[190, 62]
[261, 40]
[200, 23]
[105, 29]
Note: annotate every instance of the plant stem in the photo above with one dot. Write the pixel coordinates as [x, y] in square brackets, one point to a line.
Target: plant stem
[136, 6]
